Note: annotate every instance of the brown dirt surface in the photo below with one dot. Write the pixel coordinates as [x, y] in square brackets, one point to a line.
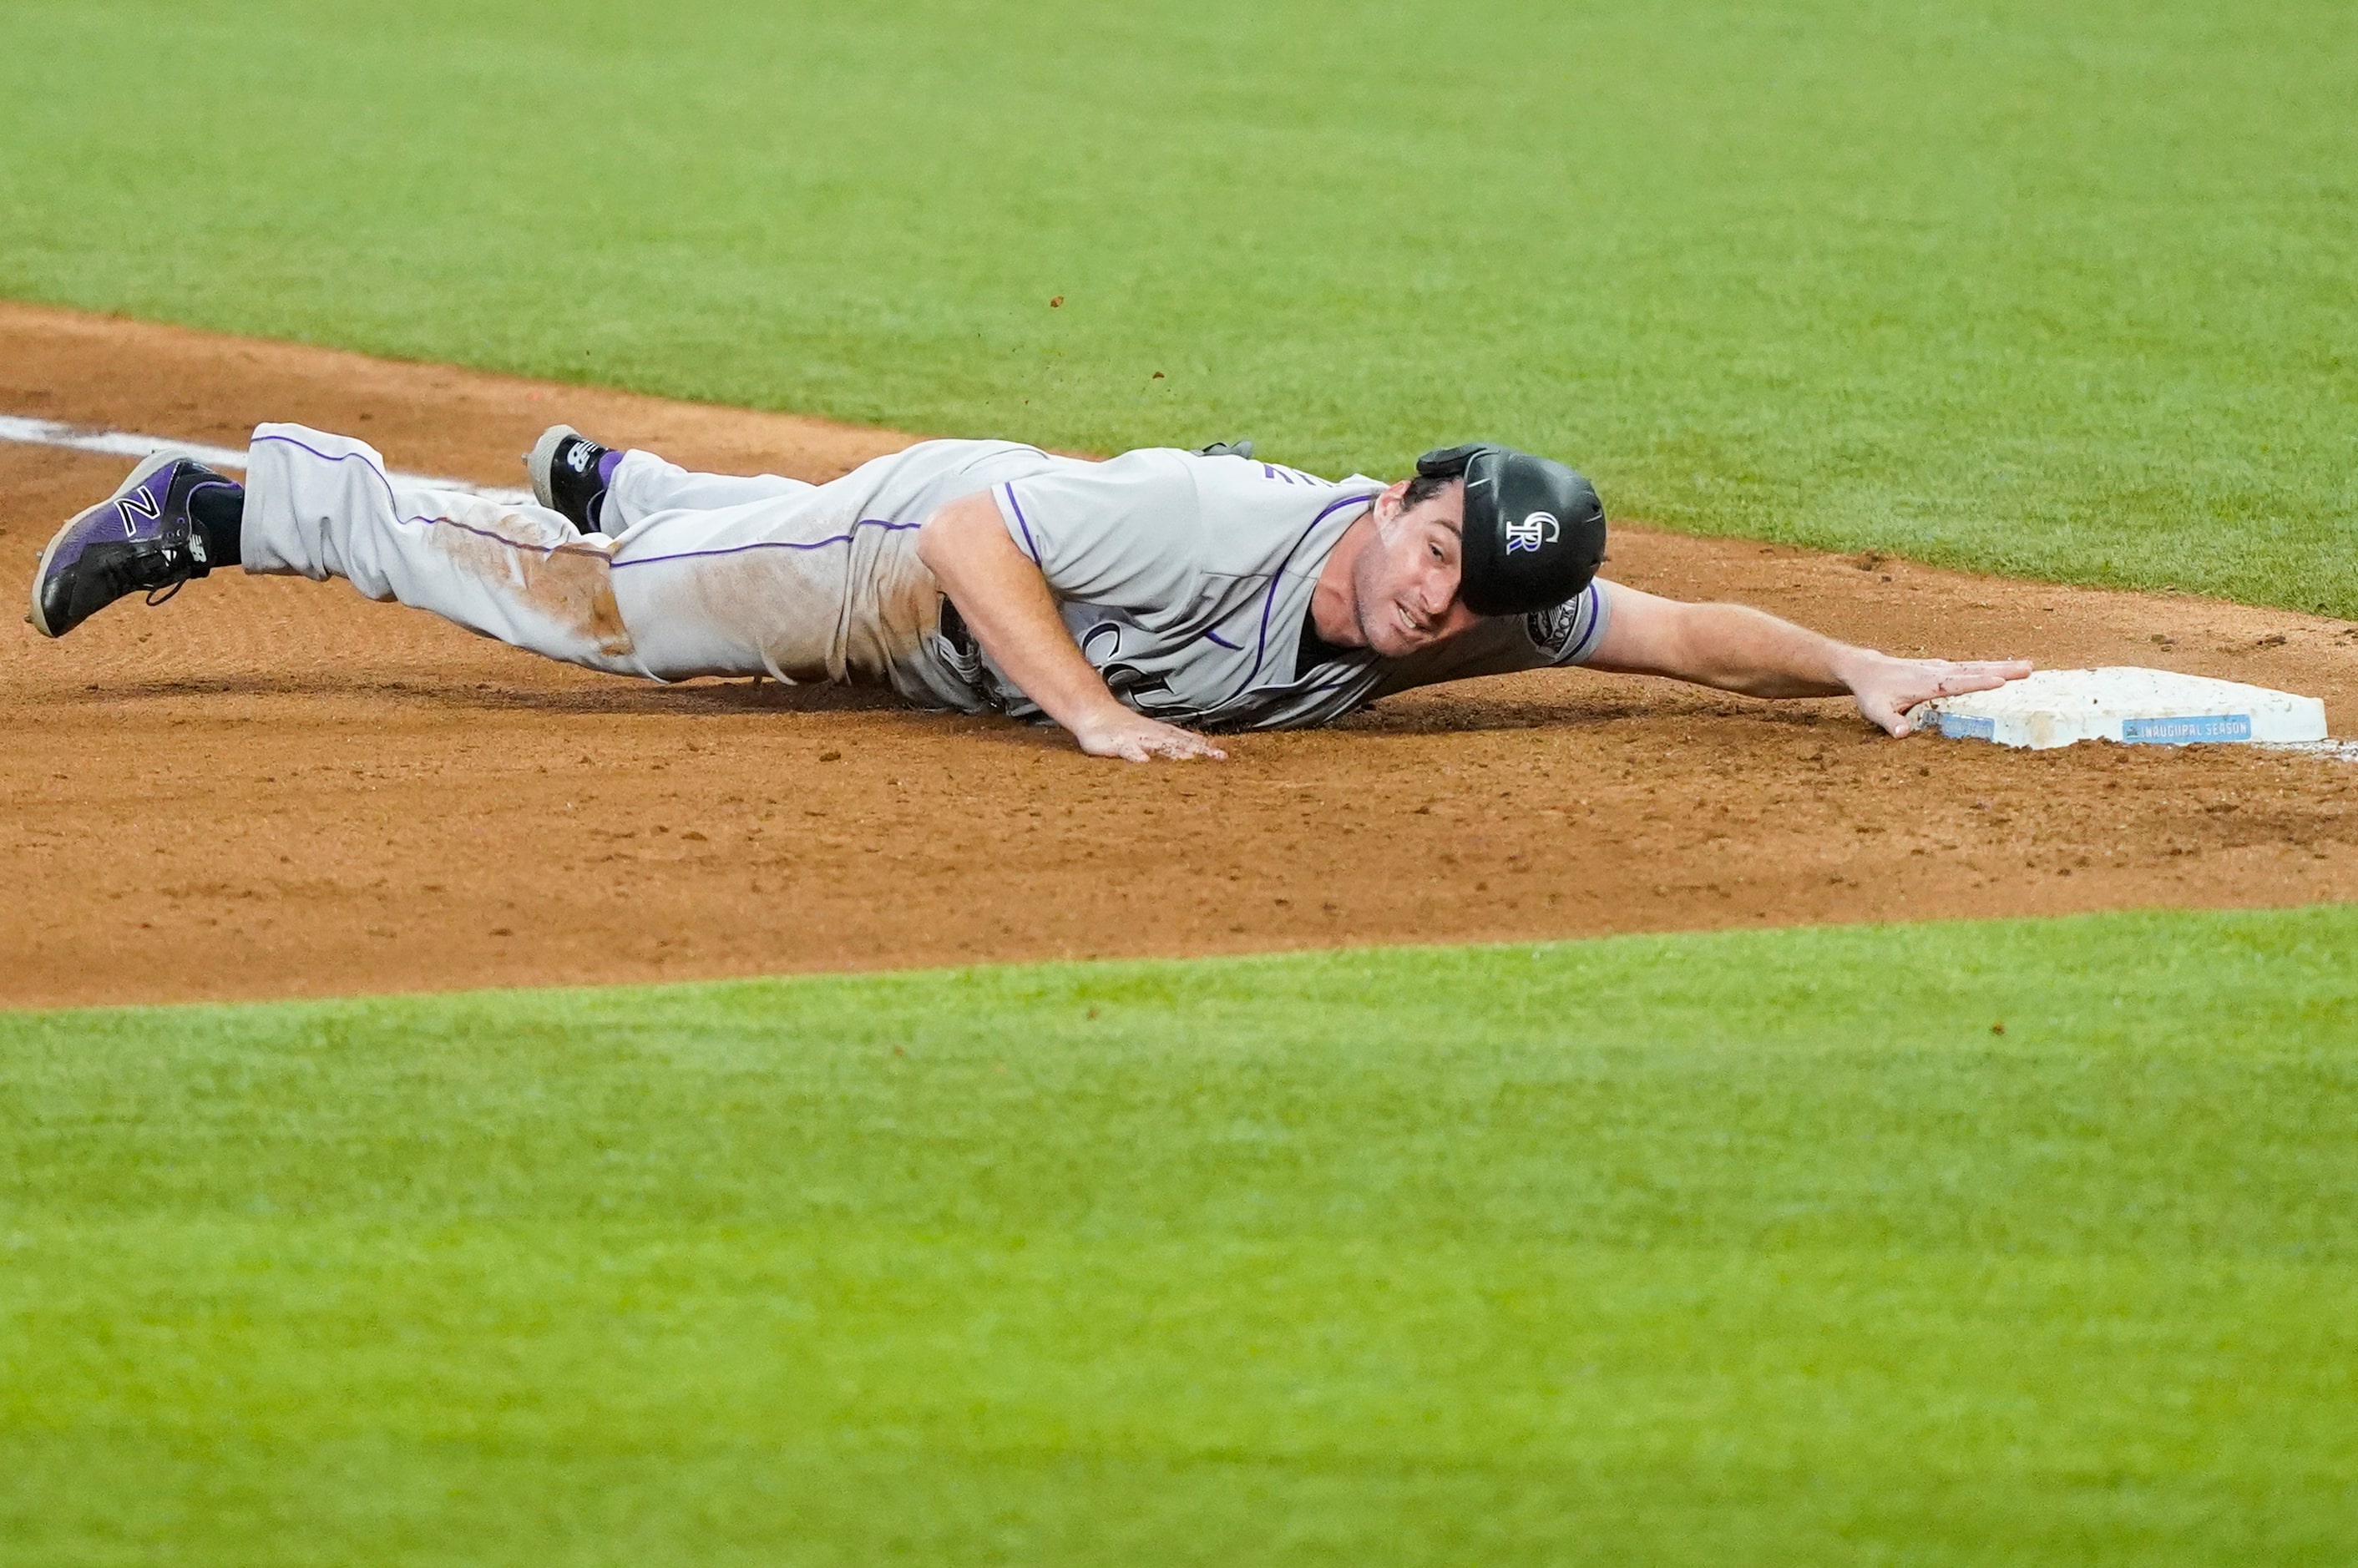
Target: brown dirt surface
[274, 788]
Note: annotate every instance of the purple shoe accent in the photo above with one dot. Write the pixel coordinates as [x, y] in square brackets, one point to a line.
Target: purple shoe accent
[570, 474]
[138, 540]
[132, 513]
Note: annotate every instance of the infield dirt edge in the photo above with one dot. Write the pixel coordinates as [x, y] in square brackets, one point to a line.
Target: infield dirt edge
[272, 788]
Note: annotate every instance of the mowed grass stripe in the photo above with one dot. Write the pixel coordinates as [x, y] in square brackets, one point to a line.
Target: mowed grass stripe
[2057, 291]
[1746, 1247]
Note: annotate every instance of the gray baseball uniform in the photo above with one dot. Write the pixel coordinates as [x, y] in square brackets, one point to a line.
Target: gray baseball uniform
[1185, 579]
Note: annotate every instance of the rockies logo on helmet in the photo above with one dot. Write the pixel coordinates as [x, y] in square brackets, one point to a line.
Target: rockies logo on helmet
[1537, 528]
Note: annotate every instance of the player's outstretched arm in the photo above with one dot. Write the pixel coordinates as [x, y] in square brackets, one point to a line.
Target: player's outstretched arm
[1733, 648]
[1006, 602]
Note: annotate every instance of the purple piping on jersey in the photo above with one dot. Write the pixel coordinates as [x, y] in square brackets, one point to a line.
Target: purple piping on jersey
[1223, 642]
[1260, 649]
[890, 527]
[1587, 648]
[1021, 523]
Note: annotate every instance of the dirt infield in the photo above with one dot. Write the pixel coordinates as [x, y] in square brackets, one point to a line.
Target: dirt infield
[272, 788]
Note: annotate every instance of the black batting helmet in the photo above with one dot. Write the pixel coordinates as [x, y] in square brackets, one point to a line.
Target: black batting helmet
[1534, 529]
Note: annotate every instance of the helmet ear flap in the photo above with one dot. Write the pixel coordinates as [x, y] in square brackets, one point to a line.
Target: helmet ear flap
[1448, 463]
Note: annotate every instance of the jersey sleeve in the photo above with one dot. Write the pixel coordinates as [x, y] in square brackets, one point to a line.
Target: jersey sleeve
[1569, 633]
[1127, 532]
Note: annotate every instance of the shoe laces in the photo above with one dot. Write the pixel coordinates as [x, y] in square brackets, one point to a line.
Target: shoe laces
[161, 571]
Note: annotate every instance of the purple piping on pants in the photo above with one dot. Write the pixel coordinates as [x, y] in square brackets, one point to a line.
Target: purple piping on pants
[332, 458]
[503, 539]
[888, 526]
[1223, 642]
[447, 522]
[586, 550]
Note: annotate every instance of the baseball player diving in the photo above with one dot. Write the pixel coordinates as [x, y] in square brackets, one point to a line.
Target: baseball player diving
[1139, 602]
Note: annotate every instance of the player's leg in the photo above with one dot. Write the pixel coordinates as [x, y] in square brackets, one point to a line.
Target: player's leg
[609, 490]
[643, 484]
[763, 586]
[321, 505]
[746, 589]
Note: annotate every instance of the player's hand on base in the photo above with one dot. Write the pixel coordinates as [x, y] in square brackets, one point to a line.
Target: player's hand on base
[1885, 688]
[1134, 737]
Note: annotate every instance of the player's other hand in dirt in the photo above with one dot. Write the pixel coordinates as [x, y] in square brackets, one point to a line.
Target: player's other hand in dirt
[1885, 688]
[1136, 739]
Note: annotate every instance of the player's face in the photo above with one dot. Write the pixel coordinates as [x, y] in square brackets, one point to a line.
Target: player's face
[1406, 580]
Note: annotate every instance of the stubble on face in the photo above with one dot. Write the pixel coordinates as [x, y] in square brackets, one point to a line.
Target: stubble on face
[1384, 582]
[1377, 610]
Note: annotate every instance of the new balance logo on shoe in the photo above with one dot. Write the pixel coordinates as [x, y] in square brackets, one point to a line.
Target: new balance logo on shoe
[137, 505]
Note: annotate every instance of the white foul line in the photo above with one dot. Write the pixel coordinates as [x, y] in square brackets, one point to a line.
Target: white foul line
[124, 444]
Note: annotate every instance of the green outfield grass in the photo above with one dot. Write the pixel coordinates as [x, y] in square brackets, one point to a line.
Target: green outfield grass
[2063, 291]
[1735, 1248]
[1761, 1248]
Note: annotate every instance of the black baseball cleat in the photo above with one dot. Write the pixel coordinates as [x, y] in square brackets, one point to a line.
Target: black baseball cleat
[570, 472]
[138, 540]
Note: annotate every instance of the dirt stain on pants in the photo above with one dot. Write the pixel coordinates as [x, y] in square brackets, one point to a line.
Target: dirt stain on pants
[569, 586]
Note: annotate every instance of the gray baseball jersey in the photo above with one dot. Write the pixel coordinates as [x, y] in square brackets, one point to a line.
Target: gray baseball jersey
[1185, 580]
